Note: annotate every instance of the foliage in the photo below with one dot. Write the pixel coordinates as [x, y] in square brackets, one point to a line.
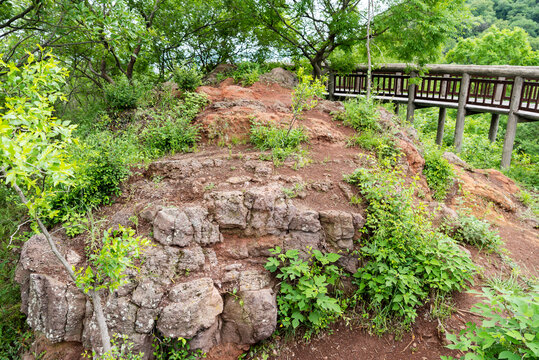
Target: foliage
[124, 94]
[122, 349]
[169, 135]
[33, 140]
[470, 230]
[175, 349]
[509, 330]
[281, 143]
[305, 94]
[405, 259]
[360, 114]
[495, 47]
[309, 294]
[438, 172]
[187, 78]
[109, 263]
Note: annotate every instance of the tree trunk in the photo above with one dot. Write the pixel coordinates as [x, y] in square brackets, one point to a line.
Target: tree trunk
[369, 63]
[316, 63]
[101, 321]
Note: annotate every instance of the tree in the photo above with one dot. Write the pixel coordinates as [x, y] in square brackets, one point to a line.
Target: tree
[495, 47]
[33, 163]
[314, 29]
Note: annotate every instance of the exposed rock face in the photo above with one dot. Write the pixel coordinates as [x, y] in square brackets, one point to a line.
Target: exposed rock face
[203, 279]
[280, 76]
[194, 306]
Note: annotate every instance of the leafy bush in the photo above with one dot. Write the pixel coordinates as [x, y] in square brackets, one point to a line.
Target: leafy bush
[510, 329]
[282, 145]
[309, 294]
[438, 172]
[383, 145]
[171, 136]
[470, 230]
[123, 94]
[108, 264]
[360, 114]
[187, 78]
[405, 259]
[175, 349]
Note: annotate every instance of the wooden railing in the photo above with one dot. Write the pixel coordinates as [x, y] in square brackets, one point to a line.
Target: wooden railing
[510, 90]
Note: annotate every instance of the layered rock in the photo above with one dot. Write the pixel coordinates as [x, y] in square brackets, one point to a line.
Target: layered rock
[202, 280]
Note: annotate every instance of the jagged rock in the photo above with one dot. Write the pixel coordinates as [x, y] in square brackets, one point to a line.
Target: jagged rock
[194, 306]
[160, 263]
[339, 228]
[173, 226]
[454, 159]
[228, 209]
[329, 106]
[121, 315]
[55, 308]
[148, 294]
[211, 77]
[303, 241]
[174, 169]
[145, 320]
[280, 76]
[249, 316]
[254, 280]
[306, 220]
[413, 156]
[191, 259]
[207, 338]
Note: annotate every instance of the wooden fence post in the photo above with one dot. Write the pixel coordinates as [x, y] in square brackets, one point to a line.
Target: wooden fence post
[411, 98]
[441, 125]
[512, 120]
[493, 131]
[461, 111]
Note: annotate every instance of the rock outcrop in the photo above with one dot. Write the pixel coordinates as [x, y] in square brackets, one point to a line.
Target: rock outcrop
[197, 281]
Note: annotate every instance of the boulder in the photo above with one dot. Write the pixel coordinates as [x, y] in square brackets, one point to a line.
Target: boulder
[339, 228]
[280, 76]
[55, 308]
[249, 317]
[228, 209]
[181, 227]
[211, 77]
[194, 306]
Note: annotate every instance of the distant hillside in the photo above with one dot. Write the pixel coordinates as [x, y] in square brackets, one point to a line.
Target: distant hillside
[505, 14]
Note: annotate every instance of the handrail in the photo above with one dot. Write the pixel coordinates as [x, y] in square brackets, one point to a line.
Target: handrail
[497, 89]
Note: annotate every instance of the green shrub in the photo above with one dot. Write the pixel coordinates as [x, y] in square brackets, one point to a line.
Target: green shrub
[309, 294]
[382, 145]
[187, 78]
[509, 329]
[360, 114]
[175, 349]
[270, 137]
[123, 94]
[98, 177]
[470, 230]
[438, 172]
[171, 136]
[405, 259]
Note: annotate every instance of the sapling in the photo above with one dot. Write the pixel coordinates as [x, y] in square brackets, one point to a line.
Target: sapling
[305, 95]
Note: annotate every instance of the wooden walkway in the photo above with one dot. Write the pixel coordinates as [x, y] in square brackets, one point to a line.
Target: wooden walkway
[471, 89]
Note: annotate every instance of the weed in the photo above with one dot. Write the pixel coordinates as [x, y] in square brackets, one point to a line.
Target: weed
[187, 78]
[122, 349]
[405, 259]
[438, 172]
[293, 191]
[471, 230]
[281, 143]
[209, 187]
[309, 294]
[510, 329]
[175, 349]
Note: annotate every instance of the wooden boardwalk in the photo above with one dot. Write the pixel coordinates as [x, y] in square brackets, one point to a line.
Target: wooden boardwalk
[471, 89]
